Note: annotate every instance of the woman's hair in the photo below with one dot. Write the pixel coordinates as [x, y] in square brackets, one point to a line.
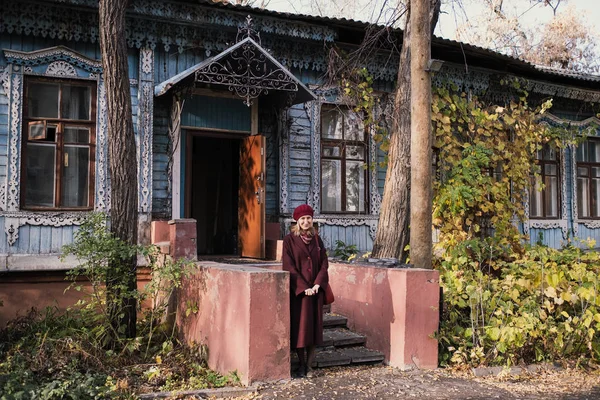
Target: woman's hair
[296, 230]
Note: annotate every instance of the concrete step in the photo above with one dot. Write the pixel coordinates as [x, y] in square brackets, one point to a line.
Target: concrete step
[334, 321]
[340, 337]
[335, 357]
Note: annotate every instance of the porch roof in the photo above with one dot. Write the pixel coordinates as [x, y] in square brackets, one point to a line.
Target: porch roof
[247, 70]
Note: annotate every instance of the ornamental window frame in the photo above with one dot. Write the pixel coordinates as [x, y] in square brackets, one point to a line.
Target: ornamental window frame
[61, 156]
[588, 166]
[541, 163]
[342, 145]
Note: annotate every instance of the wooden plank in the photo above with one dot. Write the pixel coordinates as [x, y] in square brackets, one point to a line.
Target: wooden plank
[56, 240]
[34, 240]
[45, 239]
[22, 244]
[67, 235]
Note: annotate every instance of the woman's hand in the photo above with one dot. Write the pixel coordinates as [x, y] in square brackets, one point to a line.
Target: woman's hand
[312, 291]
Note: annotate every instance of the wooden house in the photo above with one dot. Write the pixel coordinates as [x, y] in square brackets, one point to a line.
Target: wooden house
[234, 128]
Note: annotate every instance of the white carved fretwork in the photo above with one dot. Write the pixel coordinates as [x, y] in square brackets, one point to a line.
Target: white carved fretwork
[562, 222]
[61, 68]
[3, 196]
[351, 220]
[56, 61]
[4, 80]
[331, 95]
[577, 124]
[51, 56]
[284, 144]
[147, 60]
[146, 94]
[13, 221]
[574, 190]
[314, 194]
[102, 186]
[14, 141]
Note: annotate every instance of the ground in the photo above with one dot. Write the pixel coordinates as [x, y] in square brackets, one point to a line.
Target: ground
[380, 382]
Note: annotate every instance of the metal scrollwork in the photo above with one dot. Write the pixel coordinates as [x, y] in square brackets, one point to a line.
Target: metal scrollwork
[248, 72]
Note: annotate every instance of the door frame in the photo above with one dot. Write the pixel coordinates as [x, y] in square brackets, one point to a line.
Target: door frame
[190, 134]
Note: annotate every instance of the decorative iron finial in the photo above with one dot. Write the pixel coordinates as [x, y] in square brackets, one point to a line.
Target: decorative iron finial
[247, 30]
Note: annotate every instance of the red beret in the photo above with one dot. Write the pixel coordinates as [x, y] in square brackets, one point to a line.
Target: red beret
[303, 210]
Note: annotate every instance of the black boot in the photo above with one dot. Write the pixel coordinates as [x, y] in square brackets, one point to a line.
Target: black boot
[310, 358]
[300, 372]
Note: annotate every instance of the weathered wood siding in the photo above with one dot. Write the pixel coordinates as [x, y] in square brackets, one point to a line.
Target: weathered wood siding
[357, 235]
[300, 162]
[268, 127]
[216, 112]
[160, 160]
[46, 239]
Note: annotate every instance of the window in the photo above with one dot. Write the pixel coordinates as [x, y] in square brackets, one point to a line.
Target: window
[544, 203]
[343, 161]
[59, 121]
[588, 179]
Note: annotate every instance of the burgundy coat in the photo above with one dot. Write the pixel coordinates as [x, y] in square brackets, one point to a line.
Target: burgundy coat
[306, 267]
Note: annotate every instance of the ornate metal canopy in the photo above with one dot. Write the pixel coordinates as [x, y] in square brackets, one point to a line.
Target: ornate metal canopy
[247, 70]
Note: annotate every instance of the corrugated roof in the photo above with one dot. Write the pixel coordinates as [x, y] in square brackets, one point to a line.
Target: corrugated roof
[350, 23]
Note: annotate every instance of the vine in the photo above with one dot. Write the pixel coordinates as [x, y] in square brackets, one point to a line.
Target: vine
[504, 302]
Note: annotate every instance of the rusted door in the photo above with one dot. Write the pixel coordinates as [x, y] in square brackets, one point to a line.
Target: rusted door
[251, 222]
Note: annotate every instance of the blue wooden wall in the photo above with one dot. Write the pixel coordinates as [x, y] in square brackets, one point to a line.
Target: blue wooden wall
[216, 112]
[39, 239]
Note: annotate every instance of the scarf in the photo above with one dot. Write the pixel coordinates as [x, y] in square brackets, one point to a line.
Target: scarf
[306, 237]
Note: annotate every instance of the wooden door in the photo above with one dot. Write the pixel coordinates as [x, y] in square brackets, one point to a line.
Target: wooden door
[251, 208]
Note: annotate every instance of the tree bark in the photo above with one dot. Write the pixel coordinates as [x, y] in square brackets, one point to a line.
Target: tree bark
[393, 228]
[122, 160]
[421, 141]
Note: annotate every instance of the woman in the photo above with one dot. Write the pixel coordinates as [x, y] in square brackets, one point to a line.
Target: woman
[304, 257]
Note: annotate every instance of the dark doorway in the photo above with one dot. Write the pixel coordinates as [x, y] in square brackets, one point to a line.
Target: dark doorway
[214, 193]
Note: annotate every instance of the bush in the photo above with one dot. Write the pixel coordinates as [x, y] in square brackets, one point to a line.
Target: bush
[543, 305]
[52, 355]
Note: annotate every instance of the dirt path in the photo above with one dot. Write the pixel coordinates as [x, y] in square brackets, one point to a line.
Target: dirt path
[378, 382]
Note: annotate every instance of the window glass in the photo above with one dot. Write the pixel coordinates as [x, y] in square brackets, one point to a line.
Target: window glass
[75, 102]
[588, 174]
[57, 154]
[354, 127]
[42, 100]
[343, 160]
[77, 135]
[40, 175]
[331, 183]
[355, 186]
[355, 152]
[595, 195]
[551, 196]
[75, 188]
[544, 199]
[332, 151]
[331, 124]
[583, 197]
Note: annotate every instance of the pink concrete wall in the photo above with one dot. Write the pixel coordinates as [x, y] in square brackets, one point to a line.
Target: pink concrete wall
[22, 291]
[397, 309]
[182, 238]
[243, 318]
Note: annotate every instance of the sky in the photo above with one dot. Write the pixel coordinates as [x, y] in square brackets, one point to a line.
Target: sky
[364, 9]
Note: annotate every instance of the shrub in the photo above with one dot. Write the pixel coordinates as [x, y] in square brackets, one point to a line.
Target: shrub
[543, 305]
[52, 355]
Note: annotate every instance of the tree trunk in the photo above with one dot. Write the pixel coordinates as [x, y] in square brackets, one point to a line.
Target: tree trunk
[421, 142]
[393, 228]
[122, 161]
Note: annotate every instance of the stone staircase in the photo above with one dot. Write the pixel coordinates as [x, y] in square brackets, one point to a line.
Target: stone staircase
[341, 346]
